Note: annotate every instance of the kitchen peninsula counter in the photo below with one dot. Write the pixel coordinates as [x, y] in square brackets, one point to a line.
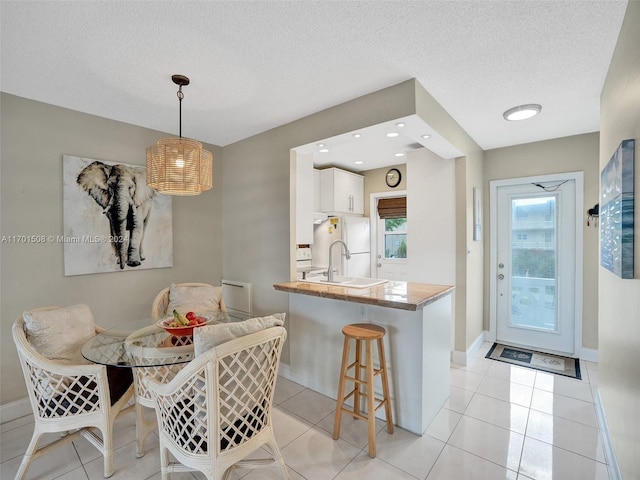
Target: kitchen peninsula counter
[417, 319]
[392, 294]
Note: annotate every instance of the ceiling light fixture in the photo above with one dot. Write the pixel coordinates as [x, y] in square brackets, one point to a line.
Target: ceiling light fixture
[392, 134]
[323, 150]
[321, 145]
[179, 166]
[425, 136]
[356, 135]
[400, 124]
[399, 154]
[522, 112]
[358, 162]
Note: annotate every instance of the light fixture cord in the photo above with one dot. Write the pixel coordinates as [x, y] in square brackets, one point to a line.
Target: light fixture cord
[551, 188]
[180, 97]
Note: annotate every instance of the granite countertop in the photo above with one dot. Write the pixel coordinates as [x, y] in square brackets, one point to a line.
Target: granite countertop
[392, 294]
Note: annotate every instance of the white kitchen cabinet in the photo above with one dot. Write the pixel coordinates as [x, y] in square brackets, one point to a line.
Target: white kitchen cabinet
[316, 190]
[341, 191]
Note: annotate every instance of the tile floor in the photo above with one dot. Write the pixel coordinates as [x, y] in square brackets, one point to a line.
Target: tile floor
[500, 422]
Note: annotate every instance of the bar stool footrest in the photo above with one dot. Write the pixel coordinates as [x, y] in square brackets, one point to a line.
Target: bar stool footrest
[381, 402]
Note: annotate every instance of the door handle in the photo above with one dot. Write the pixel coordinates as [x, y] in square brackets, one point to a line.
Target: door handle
[501, 277]
[379, 265]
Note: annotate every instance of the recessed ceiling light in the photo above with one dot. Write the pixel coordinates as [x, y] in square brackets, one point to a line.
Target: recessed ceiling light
[522, 112]
[356, 135]
[426, 136]
[323, 150]
[358, 162]
[399, 154]
[321, 145]
[392, 134]
[400, 124]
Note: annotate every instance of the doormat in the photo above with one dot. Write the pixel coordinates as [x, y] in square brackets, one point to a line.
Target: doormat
[545, 362]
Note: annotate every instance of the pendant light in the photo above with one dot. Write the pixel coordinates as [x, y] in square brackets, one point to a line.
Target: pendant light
[179, 166]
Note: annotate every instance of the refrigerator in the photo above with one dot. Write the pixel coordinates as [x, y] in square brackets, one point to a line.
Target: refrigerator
[356, 233]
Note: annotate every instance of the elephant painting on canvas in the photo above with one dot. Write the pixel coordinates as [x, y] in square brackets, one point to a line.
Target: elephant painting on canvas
[122, 193]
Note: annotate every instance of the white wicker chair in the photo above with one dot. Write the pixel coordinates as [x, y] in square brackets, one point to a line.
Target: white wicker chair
[148, 354]
[217, 410]
[161, 302]
[145, 426]
[67, 398]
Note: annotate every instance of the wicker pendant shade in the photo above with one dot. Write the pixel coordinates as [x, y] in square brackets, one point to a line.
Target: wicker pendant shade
[179, 166]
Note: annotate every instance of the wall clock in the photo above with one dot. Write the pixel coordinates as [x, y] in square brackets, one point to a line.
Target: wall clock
[393, 177]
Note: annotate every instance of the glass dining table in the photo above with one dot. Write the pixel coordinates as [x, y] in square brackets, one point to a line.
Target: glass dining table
[142, 343]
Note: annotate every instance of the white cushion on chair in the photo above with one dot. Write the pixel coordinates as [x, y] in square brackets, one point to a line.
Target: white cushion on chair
[208, 336]
[59, 334]
[198, 299]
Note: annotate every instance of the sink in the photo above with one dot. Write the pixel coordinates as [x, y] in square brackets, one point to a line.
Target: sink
[347, 282]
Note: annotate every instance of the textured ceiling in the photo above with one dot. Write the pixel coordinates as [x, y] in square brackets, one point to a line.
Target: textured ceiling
[257, 65]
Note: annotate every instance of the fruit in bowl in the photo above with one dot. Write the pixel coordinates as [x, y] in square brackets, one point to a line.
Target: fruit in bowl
[183, 325]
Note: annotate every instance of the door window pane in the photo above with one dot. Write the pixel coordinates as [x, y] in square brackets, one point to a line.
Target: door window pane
[395, 238]
[534, 262]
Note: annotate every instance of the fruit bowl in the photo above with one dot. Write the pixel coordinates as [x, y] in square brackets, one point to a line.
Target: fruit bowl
[185, 330]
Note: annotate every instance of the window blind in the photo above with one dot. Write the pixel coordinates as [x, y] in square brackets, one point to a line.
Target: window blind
[392, 207]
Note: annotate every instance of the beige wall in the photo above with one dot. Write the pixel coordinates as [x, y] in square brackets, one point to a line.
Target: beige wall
[259, 198]
[255, 186]
[374, 182]
[619, 308]
[33, 139]
[474, 250]
[431, 231]
[570, 154]
[469, 254]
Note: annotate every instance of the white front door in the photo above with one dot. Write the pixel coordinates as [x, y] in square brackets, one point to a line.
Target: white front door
[536, 280]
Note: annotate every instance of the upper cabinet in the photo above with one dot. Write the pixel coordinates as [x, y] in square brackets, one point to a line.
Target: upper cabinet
[316, 190]
[341, 191]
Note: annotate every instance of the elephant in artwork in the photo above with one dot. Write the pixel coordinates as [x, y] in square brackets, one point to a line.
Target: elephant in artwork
[123, 194]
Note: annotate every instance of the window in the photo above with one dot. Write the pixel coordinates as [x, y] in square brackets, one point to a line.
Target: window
[395, 238]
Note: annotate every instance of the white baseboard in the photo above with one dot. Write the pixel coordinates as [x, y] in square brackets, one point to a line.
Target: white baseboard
[607, 444]
[459, 358]
[14, 410]
[589, 354]
[463, 358]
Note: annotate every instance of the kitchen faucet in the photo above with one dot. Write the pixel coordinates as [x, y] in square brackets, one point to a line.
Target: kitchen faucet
[346, 253]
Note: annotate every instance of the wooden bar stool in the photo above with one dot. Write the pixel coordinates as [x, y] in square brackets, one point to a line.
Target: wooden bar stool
[366, 332]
